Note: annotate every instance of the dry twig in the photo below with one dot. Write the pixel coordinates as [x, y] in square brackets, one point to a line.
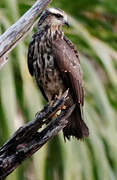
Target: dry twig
[19, 30]
[27, 140]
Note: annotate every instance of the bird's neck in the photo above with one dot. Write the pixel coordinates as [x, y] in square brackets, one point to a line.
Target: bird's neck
[56, 32]
[52, 32]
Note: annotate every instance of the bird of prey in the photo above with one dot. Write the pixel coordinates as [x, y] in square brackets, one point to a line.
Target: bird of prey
[54, 62]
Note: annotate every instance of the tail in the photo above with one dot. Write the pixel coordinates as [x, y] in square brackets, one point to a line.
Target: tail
[76, 126]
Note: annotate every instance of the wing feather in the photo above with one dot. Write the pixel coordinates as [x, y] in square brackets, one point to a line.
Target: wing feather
[66, 58]
[31, 56]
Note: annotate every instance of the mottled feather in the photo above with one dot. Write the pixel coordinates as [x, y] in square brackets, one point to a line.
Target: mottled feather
[54, 62]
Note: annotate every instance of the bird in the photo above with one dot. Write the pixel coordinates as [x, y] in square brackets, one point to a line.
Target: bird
[54, 63]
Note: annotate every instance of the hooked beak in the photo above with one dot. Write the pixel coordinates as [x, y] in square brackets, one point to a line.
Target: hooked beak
[67, 23]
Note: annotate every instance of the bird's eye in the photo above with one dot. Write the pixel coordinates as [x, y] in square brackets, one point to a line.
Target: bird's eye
[59, 16]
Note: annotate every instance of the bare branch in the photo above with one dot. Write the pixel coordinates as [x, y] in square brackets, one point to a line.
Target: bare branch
[19, 30]
[26, 140]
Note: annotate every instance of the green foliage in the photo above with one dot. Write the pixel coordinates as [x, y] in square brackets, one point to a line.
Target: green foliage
[94, 32]
[54, 160]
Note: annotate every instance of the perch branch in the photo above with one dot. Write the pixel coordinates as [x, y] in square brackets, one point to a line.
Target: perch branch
[19, 30]
[27, 140]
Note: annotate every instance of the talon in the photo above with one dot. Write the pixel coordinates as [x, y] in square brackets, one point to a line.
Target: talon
[57, 97]
[64, 107]
[55, 116]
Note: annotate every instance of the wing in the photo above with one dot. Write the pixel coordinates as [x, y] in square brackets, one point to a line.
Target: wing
[32, 51]
[31, 56]
[66, 58]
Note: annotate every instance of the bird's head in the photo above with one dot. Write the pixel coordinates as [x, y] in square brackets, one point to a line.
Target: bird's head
[53, 17]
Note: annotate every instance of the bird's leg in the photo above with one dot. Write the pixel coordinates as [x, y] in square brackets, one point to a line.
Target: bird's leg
[51, 101]
[64, 107]
[50, 104]
[58, 97]
[60, 94]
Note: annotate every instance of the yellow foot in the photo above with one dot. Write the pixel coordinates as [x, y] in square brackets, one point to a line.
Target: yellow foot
[64, 107]
[56, 96]
[55, 116]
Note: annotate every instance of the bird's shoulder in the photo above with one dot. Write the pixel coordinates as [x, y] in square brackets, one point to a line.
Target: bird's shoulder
[67, 54]
[71, 45]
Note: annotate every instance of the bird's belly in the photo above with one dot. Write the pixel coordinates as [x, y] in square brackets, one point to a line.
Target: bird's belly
[52, 83]
[48, 76]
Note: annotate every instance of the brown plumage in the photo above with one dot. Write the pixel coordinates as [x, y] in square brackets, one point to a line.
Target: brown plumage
[54, 62]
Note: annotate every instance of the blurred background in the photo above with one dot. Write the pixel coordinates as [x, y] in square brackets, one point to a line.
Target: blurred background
[94, 32]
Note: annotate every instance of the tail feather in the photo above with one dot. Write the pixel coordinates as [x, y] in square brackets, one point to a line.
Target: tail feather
[76, 126]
